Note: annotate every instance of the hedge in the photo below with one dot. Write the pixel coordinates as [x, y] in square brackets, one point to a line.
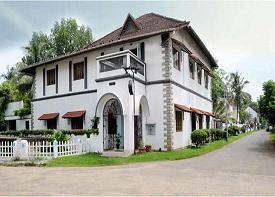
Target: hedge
[233, 130]
[199, 137]
[47, 132]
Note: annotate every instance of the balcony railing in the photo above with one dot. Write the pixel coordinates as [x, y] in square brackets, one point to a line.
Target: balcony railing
[120, 60]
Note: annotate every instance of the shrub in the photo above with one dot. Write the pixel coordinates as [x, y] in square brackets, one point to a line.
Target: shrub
[59, 136]
[216, 134]
[199, 137]
[243, 129]
[48, 132]
[233, 130]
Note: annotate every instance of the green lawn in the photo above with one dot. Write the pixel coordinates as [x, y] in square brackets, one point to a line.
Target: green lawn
[87, 160]
[272, 136]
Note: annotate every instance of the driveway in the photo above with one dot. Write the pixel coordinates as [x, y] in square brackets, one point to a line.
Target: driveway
[245, 167]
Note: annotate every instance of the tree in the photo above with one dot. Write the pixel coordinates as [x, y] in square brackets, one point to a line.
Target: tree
[67, 36]
[237, 85]
[38, 49]
[218, 87]
[267, 102]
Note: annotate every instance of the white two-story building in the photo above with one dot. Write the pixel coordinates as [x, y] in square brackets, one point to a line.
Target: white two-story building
[169, 97]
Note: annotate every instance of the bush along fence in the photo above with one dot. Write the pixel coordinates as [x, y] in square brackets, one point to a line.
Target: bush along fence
[27, 150]
[202, 136]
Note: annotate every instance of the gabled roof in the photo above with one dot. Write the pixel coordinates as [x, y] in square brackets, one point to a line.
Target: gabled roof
[145, 26]
[129, 25]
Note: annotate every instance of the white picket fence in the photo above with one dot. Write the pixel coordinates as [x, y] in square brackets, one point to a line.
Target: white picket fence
[6, 150]
[22, 149]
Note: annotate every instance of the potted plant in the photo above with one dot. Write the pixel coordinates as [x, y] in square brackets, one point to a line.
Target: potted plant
[148, 148]
[118, 141]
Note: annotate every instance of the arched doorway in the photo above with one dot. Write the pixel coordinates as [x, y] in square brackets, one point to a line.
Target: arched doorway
[113, 135]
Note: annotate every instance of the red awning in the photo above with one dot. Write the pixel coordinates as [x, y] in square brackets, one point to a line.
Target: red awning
[74, 114]
[48, 116]
[183, 108]
[197, 111]
[201, 112]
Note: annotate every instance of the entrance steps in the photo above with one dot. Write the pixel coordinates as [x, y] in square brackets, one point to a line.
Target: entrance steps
[113, 153]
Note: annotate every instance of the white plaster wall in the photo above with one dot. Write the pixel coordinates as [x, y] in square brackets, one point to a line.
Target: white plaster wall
[11, 107]
[154, 95]
[62, 105]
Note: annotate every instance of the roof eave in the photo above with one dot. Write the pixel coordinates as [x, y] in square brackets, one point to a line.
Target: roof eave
[30, 68]
[203, 47]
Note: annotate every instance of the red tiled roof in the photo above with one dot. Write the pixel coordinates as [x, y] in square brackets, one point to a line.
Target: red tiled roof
[197, 111]
[147, 23]
[48, 116]
[201, 112]
[74, 114]
[183, 108]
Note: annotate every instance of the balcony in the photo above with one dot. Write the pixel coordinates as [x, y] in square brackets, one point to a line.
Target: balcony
[113, 64]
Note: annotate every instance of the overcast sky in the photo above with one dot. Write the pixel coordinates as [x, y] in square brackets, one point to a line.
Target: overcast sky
[240, 35]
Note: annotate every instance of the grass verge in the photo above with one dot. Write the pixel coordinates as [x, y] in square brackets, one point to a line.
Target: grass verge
[92, 159]
[272, 135]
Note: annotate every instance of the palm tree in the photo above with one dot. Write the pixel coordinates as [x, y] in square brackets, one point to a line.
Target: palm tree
[237, 85]
[39, 49]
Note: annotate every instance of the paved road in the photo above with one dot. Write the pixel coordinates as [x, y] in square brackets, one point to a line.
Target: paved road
[245, 167]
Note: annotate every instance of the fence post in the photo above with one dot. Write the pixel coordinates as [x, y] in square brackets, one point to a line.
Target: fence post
[55, 149]
[17, 148]
[79, 146]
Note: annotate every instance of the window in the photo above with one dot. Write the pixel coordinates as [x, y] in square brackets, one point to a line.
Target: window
[113, 63]
[121, 49]
[27, 124]
[199, 70]
[142, 51]
[176, 59]
[207, 122]
[12, 125]
[134, 63]
[206, 80]
[52, 124]
[134, 51]
[50, 77]
[78, 70]
[102, 53]
[77, 123]
[191, 68]
[200, 122]
[151, 129]
[179, 119]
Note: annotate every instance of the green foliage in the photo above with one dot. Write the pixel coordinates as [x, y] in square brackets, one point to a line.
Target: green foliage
[217, 88]
[216, 134]
[267, 102]
[38, 49]
[199, 137]
[60, 136]
[92, 159]
[233, 130]
[47, 132]
[237, 85]
[67, 36]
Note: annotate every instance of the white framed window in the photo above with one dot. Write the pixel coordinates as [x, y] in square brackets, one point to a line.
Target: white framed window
[179, 121]
[151, 129]
[176, 59]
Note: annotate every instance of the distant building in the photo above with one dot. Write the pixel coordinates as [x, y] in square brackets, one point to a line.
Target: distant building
[15, 122]
[254, 117]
